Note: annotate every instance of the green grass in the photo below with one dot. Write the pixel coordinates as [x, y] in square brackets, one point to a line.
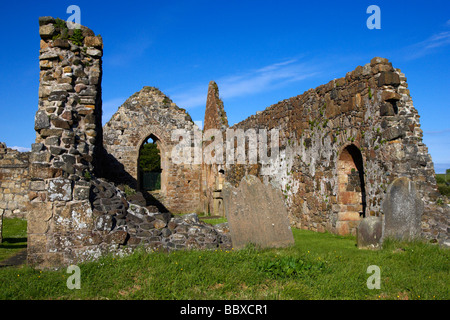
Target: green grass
[14, 237]
[214, 221]
[206, 218]
[441, 180]
[318, 266]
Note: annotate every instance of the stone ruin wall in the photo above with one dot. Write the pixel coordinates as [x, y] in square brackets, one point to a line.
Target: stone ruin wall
[68, 139]
[14, 182]
[73, 215]
[213, 175]
[150, 113]
[370, 108]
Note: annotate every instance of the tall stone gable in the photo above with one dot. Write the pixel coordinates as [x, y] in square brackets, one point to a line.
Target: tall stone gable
[216, 121]
[151, 114]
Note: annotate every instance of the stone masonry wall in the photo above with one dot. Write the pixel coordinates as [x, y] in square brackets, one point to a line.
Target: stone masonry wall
[150, 113]
[14, 182]
[362, 128]
[73, 215]
[212, 175]
[370, 108]
[68, 139]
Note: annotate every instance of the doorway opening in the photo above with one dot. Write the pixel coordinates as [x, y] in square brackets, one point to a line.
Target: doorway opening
[351, 189]
[149, 165]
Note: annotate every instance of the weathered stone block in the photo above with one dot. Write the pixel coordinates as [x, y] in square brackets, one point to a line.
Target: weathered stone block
[59, 123]
[392, 133]
[390, 95]
[47, 31]
[60, 190]
[37, 243]
[39, 214]
[47, 260]
[81, 193]
[94, 52]
[117, 237]
[378, 60]
[56, 150]
[348, 216]
[37, 185]
[342, 228]
[43, 171]
[58, 96]
[40, 157]
[41, 120]
[61, 43]
[159, 224]
[386, 109]
[36, 147]
[95, 42]
[52, 141]
[388, 78]
[46, 20]
[50, 132]
[105, 223]
[256, 214]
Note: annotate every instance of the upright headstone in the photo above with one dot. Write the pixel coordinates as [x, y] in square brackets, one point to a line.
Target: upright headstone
[402, 208]
[369, 233]
[256, 214]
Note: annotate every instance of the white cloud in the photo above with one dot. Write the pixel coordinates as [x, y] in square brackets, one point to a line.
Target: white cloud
[427, 46]
[21, 149]
[267, 78]
[437, 40]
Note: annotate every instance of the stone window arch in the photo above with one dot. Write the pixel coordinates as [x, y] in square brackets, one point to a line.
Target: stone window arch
[162, 147]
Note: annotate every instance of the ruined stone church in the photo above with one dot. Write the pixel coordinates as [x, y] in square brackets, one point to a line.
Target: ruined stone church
[341, 146]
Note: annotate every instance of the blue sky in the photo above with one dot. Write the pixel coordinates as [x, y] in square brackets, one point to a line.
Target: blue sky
[259, 52]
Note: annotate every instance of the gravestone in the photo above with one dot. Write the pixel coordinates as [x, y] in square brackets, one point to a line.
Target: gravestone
[256, 214]
[402, 208]
[369, 233]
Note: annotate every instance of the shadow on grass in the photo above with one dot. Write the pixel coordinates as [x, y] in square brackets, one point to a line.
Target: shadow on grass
[13, 243]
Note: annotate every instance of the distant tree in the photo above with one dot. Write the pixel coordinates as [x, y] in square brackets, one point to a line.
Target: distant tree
[150, 159]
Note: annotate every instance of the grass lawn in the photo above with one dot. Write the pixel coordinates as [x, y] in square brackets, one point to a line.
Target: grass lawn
[318, 266]
[14, 237]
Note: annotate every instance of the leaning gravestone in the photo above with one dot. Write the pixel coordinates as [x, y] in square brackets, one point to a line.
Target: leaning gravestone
[256, 214]
[402, 208]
